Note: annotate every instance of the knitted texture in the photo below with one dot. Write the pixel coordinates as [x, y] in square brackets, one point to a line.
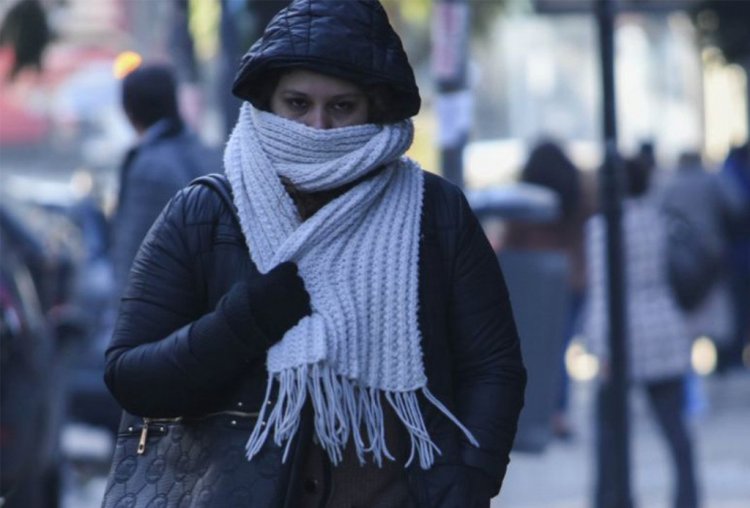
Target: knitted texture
[358, 256]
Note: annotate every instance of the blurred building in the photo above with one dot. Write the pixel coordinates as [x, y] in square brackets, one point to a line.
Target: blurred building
[537, 74]
[534, 72]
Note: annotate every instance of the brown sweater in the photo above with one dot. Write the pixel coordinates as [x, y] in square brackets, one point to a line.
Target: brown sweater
[351, 485]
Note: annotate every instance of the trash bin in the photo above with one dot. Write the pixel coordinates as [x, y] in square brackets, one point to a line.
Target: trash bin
[537, 282]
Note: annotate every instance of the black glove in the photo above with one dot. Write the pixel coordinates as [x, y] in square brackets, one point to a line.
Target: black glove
[460, 485]
[273, 302]
[482, 485]
[278, 300]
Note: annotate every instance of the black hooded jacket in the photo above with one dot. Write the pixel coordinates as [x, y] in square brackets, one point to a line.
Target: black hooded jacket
[175, 353]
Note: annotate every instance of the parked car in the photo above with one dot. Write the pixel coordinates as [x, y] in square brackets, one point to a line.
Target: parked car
[31, 408]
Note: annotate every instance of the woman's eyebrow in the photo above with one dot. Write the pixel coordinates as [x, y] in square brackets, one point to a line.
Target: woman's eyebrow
[348, 95]
[343, 94]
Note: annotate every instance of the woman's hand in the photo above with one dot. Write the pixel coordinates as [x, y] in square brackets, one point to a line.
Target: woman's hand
[275, 301]
[460, 485]
[278, 300]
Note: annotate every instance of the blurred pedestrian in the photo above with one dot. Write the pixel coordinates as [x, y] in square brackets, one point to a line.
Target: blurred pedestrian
[25, 32]
[167, 156]
[736, 174]
[658, 343]
[549, 167]
[24, 37]
[711, 206]
[357, 292]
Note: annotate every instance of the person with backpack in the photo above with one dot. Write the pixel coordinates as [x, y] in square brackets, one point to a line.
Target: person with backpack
[658, 344]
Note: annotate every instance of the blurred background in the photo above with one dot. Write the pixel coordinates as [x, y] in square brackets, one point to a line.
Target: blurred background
[497, 77]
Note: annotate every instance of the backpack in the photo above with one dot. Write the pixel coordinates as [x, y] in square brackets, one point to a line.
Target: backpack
[693, 265]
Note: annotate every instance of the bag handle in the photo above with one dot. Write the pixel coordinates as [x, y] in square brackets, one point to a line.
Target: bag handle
[220, 185]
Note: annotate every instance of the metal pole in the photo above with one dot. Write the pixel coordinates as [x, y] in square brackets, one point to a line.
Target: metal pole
[228, 65]
[613, 482]
[450, 39]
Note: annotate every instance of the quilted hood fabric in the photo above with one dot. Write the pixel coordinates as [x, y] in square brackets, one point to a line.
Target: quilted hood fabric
[350, 39]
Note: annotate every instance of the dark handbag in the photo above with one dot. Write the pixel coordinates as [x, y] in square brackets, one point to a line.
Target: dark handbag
[191, 463]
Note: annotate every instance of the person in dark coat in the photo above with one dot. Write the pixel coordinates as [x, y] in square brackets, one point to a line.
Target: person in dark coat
[735, 172]
[350, 302]
[165, 159]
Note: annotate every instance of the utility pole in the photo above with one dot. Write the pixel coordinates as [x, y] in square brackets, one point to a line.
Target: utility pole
[450, 49]
[613, 451]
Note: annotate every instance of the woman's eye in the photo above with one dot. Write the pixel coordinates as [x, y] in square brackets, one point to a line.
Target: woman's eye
[344, 107]
[296, 103]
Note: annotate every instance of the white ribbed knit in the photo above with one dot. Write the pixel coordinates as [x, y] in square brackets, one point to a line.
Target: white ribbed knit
[358, 257]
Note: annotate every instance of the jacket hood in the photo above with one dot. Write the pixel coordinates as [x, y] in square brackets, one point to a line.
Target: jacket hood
[351, 39]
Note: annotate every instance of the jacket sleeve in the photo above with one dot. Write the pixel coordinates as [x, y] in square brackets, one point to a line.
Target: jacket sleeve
[489, 373]
[170, 355]
[144, 199]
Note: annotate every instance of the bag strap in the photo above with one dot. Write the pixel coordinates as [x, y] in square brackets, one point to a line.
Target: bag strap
[220, 185]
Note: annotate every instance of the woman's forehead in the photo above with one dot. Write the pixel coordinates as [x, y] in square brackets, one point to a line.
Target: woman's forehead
[311, 82]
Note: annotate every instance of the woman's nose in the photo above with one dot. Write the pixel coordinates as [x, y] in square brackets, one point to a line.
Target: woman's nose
[318, 118]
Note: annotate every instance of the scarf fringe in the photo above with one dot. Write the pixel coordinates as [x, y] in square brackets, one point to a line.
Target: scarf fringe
[343, 409]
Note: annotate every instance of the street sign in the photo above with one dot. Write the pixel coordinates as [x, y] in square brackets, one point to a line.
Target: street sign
[450, 34]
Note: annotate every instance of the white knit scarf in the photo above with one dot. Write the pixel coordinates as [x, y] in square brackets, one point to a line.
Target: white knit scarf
[358, 257]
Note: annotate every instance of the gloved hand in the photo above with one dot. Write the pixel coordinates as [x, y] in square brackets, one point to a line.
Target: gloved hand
[278, 300]
[459, 485]
[274, 302]
[482, 485]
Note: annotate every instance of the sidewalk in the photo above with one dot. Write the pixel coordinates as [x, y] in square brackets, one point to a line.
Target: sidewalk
[562, 476]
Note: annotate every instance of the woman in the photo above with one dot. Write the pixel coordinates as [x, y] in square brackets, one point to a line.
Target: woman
[658, 341]
[356, 304]
[549, 167]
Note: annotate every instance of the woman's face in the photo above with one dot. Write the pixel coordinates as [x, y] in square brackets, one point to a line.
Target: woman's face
[319, 101]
